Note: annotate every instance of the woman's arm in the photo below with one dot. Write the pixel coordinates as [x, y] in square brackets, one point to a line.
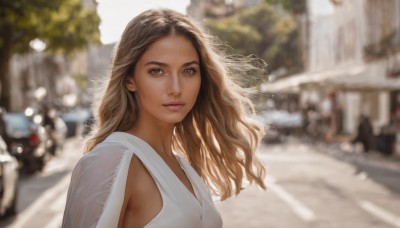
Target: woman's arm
[92, 189]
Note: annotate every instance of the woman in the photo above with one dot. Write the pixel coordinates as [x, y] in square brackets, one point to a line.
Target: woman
[168, 93]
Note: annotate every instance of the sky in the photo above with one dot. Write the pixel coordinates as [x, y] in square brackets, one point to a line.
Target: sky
[321, 7]
[115, 14]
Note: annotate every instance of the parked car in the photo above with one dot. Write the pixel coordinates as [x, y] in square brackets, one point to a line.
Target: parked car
[272, 135]
[8, 181]
[28, 141]
[74, 119]
[282, 121]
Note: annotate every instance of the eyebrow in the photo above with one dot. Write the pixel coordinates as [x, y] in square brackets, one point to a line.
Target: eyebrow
[165, 65]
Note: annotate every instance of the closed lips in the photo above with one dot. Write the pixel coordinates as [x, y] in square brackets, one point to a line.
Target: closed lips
[173, 104]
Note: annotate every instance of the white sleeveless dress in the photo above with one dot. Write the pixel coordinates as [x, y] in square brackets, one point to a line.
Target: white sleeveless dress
[97, 189]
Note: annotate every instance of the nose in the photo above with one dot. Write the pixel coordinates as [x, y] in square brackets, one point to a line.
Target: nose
[175, 87]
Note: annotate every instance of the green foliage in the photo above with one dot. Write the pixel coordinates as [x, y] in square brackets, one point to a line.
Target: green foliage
[81, 81]
[293, 6]
[236, 34]
[264, 31]
[63, 25]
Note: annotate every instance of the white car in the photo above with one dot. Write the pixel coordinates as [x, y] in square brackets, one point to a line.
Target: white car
[9, 178]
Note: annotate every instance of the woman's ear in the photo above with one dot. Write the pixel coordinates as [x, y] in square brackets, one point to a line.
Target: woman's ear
[130, 84]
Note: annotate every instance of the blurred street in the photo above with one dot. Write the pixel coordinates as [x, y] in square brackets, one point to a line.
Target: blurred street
[326, 83]
[308, 186]
[41, 198]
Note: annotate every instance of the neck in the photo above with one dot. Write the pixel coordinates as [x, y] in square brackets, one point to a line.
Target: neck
[157, 135]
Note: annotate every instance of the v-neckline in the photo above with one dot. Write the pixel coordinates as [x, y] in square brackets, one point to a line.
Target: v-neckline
[195, 195]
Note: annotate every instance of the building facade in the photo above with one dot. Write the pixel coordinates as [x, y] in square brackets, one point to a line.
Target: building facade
[353, 51]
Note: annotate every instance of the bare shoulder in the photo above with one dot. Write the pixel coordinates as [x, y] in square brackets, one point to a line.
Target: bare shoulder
[138, 175]
[139, 181]
[142, 199]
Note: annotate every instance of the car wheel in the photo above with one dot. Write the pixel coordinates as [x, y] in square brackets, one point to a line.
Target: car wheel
[40, 164]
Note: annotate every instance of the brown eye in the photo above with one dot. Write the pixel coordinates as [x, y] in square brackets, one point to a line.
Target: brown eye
[189, 71]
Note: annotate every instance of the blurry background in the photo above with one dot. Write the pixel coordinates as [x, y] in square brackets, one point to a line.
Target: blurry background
[330, 104]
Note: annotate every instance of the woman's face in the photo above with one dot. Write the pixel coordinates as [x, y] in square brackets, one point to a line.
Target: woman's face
[166, 80]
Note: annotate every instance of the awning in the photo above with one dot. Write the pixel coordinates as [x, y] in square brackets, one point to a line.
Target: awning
[371, 76]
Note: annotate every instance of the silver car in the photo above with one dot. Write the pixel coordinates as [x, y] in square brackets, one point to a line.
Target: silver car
[8, 181]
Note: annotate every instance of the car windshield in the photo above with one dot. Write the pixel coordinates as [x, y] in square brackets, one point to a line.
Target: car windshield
[78, 115]
[17, 122]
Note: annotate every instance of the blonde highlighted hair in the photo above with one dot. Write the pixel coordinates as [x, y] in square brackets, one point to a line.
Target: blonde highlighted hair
[218, 137]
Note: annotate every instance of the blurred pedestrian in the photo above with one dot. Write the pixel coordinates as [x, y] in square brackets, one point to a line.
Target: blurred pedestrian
[365, 133]
[49, 123]
[49, 118]
[170, 92]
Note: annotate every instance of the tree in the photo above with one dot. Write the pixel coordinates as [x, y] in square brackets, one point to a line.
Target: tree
[265, 31]
[293, 6]
[236, 34]
[63, 25]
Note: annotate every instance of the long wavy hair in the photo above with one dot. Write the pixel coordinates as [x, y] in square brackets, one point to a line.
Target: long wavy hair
[218, 136]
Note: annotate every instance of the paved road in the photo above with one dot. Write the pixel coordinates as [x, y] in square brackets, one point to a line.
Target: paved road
[42, 196]
[306, 188]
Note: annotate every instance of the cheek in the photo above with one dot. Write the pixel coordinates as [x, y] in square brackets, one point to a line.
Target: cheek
[194, 89]
[148, 90]
[146, 96]
[197, 85]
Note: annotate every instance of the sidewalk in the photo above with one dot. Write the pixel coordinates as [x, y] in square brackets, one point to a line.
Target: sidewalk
[341, 146]
[382, 169]
[349, 150]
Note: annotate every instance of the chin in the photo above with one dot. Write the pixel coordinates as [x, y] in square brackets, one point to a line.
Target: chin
[174, 119]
